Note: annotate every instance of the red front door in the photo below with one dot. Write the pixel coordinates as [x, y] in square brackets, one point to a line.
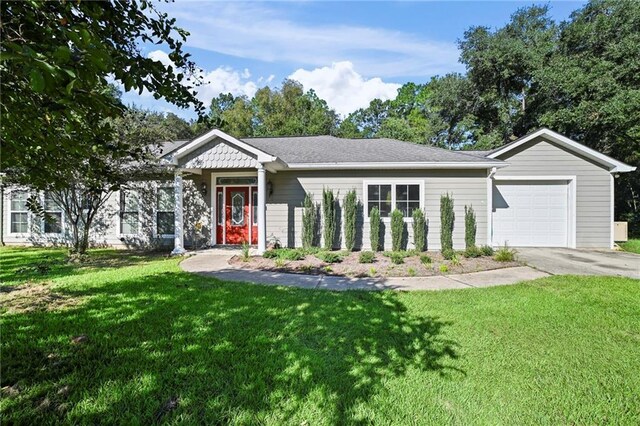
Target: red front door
[237, 215]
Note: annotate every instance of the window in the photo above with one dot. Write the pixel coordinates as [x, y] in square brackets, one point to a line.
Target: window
[19, 212]
[165, 211]
[129, 217]
[237, 208]
[53, 215]
[220, 208]
[254, 205]
[405, 197]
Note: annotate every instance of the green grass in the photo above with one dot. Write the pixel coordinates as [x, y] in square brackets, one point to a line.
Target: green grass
[562, 350]
[632, 246]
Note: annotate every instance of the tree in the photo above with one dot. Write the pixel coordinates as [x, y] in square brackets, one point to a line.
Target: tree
[56, 59]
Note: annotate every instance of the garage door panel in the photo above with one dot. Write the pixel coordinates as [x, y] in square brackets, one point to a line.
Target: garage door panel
[530, 213]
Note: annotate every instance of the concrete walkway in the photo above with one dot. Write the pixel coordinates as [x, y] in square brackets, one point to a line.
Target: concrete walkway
[214, 263]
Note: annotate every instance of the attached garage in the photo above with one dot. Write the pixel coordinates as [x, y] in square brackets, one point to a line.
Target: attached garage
[529, 212]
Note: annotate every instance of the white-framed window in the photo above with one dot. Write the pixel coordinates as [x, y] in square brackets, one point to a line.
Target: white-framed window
[19, 212]
[129, 212]
[254, 207]
[165, 202]
[53, 215]
[403, 195]
[220, 208]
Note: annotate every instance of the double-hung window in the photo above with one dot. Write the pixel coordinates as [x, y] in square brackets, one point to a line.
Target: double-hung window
[53, 215]
[19, 212]
[165, 202]
[404, 196]
[129, 209]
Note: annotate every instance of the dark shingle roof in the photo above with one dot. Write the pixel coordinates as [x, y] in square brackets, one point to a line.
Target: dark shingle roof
[330, 149]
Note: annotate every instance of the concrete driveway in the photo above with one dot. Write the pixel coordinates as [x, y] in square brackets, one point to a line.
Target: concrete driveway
[582, 262]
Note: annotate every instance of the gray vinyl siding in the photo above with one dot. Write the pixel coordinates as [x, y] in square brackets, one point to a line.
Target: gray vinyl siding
[593, 186]
[284, 206]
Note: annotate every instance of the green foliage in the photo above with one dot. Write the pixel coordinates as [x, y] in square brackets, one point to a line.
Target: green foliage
[285, 254]
[411, 272]
[448, 253]
[443, 268]
[486, 250]
[505, 254]
[403, 253]
[397, 257]
[329, 256]
[447, 219]
[374, 229]
[367, 257]
[270, 254]
[472, 251]
[397, 230]
[329, 218]
[245, 252]
[419, 230]
[455, 259]
[470, 227]
[309, 221]
[350, 215]
[425, 259]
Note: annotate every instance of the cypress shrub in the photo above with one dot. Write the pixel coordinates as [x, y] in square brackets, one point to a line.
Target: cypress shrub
[350, 213]
[308, 221]
[419, 230]
[447, 218]
[329, 214]
[374, 230]
[470, 227]
[397, 230]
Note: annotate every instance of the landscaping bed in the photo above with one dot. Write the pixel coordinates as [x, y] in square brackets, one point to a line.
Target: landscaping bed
[379, 264]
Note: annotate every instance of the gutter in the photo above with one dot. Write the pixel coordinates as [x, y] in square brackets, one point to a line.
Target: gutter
[405, 165]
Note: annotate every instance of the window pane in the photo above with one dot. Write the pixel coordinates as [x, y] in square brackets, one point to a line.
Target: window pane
[129, 201]
[165, 223]
[129, 223]
[237, 181]
[371, 205]
[254, 202]
[385, 209]
[19, 200]
[220, 209]
[401, 192]
[53, 223]
[165, 199]
[385, 193]
[374, 192]
[413, 205]
[402, 206]
[237, 208]
[414, 192]
[19, 222]
[49, 204]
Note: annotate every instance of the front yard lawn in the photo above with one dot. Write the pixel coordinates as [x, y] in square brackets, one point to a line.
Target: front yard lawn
[632, 246]
[136, 340]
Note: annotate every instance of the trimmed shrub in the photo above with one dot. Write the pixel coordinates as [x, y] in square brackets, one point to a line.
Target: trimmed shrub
[367, 257]
[419, 230]
[350, 215]
[505, 254]
[425, 260]
[470, 227]
[397, 230]
[329, 256]
[397, 257]
[472, 251]
[329, 216]
[447, 218]
[448, 254]
[284, 254]
[308, 221]
[403, 253]
[374, 231]
[486, 250]
[270, 254]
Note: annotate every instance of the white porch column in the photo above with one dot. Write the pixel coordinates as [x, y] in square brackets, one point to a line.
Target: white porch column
[178, 235]
[262, 209]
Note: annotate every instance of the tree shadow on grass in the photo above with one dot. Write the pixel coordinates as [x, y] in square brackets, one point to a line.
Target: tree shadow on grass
[225, 352]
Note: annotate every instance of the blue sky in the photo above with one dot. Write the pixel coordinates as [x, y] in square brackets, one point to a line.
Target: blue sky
[348, 52]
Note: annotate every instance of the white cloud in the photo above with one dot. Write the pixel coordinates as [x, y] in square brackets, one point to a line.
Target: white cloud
[258, 31]
[343, 88]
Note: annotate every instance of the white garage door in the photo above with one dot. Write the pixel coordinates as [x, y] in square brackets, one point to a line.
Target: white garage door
[530, 213]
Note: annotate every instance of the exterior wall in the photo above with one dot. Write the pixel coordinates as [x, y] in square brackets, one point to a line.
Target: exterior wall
[593, 186]
[284, 206]
[216, 154]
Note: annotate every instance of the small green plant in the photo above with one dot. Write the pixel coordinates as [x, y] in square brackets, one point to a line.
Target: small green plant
[455, 260]
[328, 269]
[329, 215]
[470, 227]
[245, 252]
[411, 272]
[448, 253]
[309, 221]
[367, 257]
[419, 230]
[372, 271]
[443, 268]
[270, 254]
[311, 250]
[397, 257]
[329, 256]
[505, 254]
[374, 229]
[350, 216]
[472, 251]
[397, 230]
[425, 259]
[291, 254]
[486, 250]
[280, 263]
[447, 218]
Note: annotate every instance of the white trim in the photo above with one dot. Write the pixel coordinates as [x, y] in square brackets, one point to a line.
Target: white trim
[163, 184]
[119, 234]
[214, 189]
[614, 165]
[261, 156]
[402, 165]
[44, 219]
[612, 201]
[29, 215]
[571, 202]
[393, 182]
